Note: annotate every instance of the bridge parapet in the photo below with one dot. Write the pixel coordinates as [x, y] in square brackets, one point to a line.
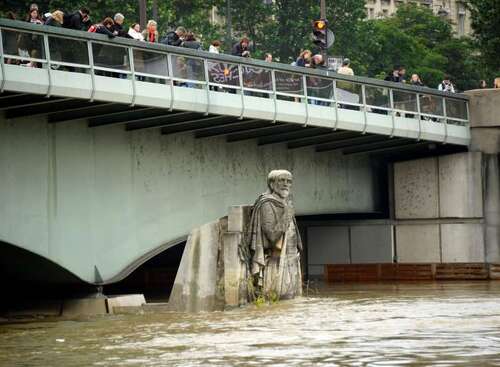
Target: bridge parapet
[91, 66]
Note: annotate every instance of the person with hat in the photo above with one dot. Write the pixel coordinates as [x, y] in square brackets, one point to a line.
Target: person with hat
[345, 68]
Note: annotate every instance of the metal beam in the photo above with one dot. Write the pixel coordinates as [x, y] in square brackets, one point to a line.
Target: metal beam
[391, 144]
[263, 131]
[241, 125]
[126, 115]
[83, 112]
[352, 141]
[308, 132]
[325, 138]
[11, 95]
[161, 121]
[197, 124]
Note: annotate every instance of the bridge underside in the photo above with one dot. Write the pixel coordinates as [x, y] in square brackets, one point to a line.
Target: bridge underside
[202, 125]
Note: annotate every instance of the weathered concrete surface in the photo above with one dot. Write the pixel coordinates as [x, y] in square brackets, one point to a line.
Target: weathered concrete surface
[460, 185]
[486, 140]
[418, 243]
[195, 286]
[84, 306]
[327, 245]
[105, 196]
[372, 244]
[492, 207]
[232, 268]
[123, 301]
[462, 243]
[416, 189]
[484, 107]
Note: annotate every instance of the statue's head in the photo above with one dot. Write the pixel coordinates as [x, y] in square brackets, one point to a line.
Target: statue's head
[280, 182]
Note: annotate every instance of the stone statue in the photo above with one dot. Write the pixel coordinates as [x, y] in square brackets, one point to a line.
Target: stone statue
[273, 242]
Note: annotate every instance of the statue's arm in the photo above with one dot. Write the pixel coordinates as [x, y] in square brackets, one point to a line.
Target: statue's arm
[272, 224]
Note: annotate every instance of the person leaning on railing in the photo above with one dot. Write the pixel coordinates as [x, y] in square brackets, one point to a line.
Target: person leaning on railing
[150, 34]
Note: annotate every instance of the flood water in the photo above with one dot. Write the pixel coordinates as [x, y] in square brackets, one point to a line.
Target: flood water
[412, 324]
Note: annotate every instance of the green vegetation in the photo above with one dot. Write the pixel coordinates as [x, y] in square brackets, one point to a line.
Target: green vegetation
[413, 37]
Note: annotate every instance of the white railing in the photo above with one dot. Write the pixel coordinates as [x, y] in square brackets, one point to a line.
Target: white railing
[53, 48]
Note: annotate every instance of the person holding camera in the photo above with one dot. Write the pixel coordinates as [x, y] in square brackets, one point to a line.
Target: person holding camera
[446, 85]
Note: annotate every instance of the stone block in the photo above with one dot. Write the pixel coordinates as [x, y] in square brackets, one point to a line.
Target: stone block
[418, 243]
[232, 269]
[462, 243]
[328, 245]
[416, 189]
[460, 185]
[372, 244]
[123, 301]
[196, 286]
[484, 107]
[84, 306]
[238, 216]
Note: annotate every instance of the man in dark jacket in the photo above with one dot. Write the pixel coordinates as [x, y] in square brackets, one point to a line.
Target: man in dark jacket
[174, 38]
[397, 75]
[117, 27]
[241, 48]
[77, 20]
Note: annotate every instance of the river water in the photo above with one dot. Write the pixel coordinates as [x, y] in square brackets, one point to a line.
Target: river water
[411, 324]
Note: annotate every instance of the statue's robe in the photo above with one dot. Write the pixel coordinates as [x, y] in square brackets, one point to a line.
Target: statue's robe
[273, 224]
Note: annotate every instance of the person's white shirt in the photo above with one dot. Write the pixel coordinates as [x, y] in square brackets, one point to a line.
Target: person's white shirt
[446, 88]
[213, 49]
[345, 70]
[135, 35]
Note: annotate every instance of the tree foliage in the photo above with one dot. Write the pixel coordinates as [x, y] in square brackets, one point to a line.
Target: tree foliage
[485, 16]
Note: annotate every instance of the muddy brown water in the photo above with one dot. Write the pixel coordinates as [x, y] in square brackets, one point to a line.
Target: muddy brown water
[409, 324]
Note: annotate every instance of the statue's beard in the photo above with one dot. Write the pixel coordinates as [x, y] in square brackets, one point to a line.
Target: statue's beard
[283, 193]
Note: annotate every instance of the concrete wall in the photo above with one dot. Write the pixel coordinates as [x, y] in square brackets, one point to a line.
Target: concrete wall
[429, 194]
[348, 244]
[484, 107]
[103, 197]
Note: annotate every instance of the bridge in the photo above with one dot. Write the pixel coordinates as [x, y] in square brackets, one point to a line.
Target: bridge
[113, 150]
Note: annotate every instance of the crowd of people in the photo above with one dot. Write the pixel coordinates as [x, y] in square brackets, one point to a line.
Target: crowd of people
[180, 37]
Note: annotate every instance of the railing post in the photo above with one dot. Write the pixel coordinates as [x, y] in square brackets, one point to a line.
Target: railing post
[304, 86]
[207, 79]
[49, 65]
[393, 113]
[336, 105]
[467, 116]
[363, 96]
[419, 136]
[2, 61]
[240, 74]
[92, 71]
[171, 74]
[273, 85]
[445, 121]
[132, 71]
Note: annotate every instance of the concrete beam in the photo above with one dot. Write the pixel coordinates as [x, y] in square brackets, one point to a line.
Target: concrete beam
[199, 124]
[85, 112]
[125, 115]
[381, 146]
[329, 137]
[160, 121]
[65, 105]
[287, 137]
[20, 100]
[363, 139]
[234, 127]
[33, 104]
[264, 131]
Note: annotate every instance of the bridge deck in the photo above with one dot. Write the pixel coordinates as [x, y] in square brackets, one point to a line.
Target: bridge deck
[178, 90]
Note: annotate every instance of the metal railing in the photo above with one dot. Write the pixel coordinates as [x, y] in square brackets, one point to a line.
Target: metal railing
[56, 49]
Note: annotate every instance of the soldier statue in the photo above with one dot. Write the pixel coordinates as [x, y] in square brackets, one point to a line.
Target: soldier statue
[273, 241]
